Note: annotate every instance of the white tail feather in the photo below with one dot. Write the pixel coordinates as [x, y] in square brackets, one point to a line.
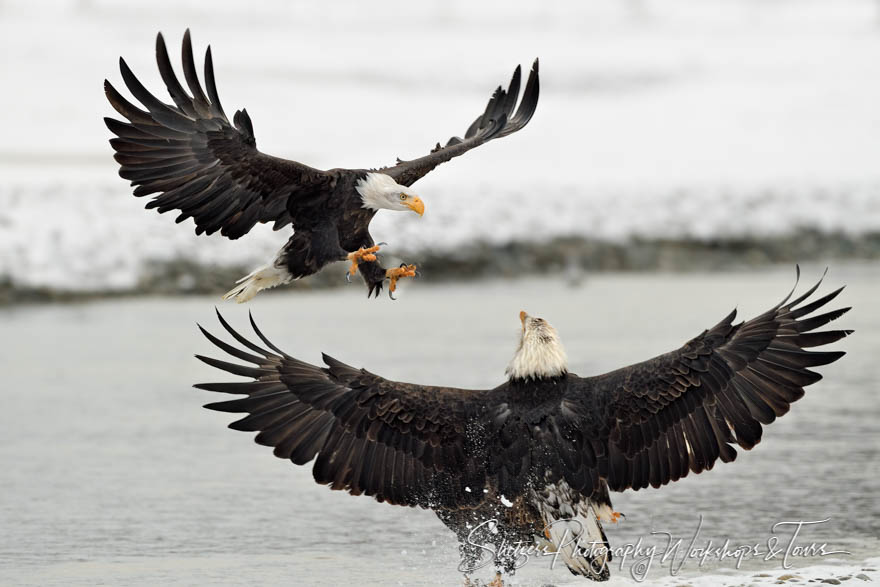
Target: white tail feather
[265, 277]
[573, 530]
[581, 545]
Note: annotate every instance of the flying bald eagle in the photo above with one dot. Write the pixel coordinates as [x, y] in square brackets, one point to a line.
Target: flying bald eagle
[539, 453]
[192, 159]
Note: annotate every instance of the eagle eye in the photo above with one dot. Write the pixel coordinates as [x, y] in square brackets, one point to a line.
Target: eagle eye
[402, 196]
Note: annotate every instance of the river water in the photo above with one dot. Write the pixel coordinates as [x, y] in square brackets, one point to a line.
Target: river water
[112, 473]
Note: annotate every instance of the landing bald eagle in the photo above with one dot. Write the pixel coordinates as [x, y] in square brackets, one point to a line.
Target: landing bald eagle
[191, 159]
[540, 452]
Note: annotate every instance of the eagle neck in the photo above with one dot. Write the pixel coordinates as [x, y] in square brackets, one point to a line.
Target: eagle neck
[540, 356]
[373, 188]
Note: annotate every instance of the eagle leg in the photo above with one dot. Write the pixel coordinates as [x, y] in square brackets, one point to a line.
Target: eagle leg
[496, 582]
[361, 255]
[398, 272]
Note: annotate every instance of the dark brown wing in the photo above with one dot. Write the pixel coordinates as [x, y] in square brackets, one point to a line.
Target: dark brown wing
[498, 120]
[399, 442]
[684, 410]
[197, 162]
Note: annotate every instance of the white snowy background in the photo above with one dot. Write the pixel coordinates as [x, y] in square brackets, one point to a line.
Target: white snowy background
[683, 118]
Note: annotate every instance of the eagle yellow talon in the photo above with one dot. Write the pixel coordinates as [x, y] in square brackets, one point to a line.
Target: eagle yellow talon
[615, 517]
[496, 582]
[361, 255]
[397, 272]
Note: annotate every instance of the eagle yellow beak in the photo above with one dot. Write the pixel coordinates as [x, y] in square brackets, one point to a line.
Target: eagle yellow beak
[416, 205]
[522, 318]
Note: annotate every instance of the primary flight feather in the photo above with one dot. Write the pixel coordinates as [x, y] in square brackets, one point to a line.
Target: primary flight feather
[190, 158]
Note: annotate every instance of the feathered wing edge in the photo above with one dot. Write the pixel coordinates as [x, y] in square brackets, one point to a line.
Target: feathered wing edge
[497, 120]
[196, 161]
[400, 443]
[719, 393]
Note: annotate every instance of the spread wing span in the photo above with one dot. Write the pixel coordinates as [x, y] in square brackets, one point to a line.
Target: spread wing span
[497, 120]
[684, 410]
[399, 442]
[646, 424]
[196, 161]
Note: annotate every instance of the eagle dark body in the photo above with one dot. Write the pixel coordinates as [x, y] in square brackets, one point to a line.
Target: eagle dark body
[329, 226]
[552, 447]
[191, 158]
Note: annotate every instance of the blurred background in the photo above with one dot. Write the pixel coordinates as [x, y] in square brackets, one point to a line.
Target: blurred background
[669, 135]
[685, 154]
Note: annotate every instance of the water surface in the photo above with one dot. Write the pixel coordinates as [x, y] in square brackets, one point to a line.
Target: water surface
[113, 473]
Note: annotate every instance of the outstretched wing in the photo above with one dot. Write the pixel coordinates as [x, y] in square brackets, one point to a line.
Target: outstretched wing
[196, 161]
[498, 120]
[684, 410]
[399, 442]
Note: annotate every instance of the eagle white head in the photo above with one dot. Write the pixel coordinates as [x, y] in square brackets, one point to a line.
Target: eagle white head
[540, 353]
[380, 192]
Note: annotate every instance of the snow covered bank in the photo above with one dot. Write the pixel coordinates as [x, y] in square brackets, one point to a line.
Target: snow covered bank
[89, 238]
